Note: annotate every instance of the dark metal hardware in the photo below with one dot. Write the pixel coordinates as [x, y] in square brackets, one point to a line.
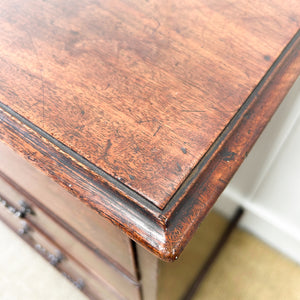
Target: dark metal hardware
[53, 259]
[79, 283]
[20, 213]
[24, 229]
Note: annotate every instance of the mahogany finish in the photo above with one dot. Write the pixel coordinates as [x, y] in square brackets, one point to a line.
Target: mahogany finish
[22, 181]
[144, 111]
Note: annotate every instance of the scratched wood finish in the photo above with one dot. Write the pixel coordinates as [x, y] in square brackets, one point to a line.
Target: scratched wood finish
[140, 89]
[146, 110]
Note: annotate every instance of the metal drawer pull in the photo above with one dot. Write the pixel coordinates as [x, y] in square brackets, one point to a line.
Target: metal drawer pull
[79, 283]
[24, 229]
[53, 259]
[20, 213]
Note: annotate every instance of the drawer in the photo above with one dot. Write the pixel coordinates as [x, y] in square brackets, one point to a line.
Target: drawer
[92, 286]
[35, 217]
[91, 228]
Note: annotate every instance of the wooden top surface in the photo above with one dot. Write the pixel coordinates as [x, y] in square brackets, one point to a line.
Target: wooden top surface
[139, 90]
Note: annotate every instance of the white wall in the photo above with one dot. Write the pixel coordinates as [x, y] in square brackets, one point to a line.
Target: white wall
[267, 184]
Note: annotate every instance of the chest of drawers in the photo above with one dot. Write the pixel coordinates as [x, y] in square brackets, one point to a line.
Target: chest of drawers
[121, 123]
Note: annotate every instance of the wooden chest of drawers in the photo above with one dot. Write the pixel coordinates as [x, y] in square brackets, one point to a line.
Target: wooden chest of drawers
[44, 214]
[121, 123]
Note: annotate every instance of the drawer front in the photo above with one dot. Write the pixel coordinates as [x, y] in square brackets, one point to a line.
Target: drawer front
[21, 206]
[102, 236]
[92, 286]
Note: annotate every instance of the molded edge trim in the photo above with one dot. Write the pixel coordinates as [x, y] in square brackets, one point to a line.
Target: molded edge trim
[165, 232]
[204, 186]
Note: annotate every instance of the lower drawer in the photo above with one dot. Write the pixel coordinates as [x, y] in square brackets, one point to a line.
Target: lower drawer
[101, 281]
[82, 279]
[92, 229]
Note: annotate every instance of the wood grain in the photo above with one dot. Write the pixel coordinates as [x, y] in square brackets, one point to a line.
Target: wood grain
[141, 90]
[144, 111]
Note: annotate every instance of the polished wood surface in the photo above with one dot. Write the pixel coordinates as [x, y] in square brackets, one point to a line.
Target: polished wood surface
[144, 110]
[141, 90]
